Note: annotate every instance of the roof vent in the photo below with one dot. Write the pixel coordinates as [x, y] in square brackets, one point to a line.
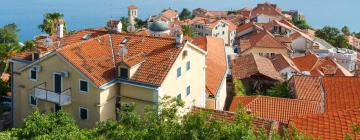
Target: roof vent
[123, 42]
[87, 36]
[48, 42]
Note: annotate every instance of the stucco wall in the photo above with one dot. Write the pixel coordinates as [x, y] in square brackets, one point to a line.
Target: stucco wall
[221, 96]
[24, 87]
[195, 77]
[258, 50]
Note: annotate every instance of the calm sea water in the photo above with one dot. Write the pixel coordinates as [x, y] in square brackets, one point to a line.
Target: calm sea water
[28, 14]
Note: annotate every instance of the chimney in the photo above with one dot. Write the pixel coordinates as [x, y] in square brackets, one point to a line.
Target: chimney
[179, 37]
[60, 28]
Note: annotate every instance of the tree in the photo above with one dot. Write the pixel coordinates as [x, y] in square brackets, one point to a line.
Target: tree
[29, 44]
[280, 89]
[57, 125]
[49, 23]
[9, 45]
[333, 36]
[345, 30]
[357, 35]
[187, 31]
[185, 14]
[125, 23]
[302, 24]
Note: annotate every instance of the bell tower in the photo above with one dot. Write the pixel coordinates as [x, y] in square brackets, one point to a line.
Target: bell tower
[132, 14]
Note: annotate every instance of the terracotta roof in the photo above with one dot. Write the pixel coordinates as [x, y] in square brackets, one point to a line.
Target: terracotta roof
[264, 39]
[253, 64]
[307, 88]
[245, 26]
[281, 62]
[279, 109]
[215, 62]
[132, 7]
[156, 54]
[341, 92]
[267, 9]
[232, 26]
[169, 13]
[319, 66]
[328, 126]
[230, 117]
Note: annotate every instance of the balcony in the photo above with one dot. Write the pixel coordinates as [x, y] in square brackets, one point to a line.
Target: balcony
[62, 99]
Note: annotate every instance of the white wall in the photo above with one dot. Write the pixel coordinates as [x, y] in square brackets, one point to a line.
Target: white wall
[221, 96]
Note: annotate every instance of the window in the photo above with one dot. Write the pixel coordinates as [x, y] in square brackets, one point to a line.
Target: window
[178, 96]
[84, 86]
[33, 75]
[188, 65]
[188, 90]
[178, 72]
[36, 56]
[33, 100]
[124, 73]
[223, 32]
[83, 112]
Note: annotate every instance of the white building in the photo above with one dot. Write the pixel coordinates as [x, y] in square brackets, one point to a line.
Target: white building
[344, 57]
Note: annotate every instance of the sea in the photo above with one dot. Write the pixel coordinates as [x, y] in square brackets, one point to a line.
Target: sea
[80, 14]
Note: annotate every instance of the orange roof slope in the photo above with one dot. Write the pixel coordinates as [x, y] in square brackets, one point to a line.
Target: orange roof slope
[264, 39]
[215, 62]
[94, 57]
[281, 62]
[342, 93]
[307, 87]
[169, 13]
[279, 109]
[267, 9]
[253, 64]
[328, 126]
[319, 66]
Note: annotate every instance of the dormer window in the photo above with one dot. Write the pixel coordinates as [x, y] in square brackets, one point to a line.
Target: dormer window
[124, 73]
[35, 56]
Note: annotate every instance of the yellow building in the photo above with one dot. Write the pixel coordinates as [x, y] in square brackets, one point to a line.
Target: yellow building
[92, 73]
[265, 44]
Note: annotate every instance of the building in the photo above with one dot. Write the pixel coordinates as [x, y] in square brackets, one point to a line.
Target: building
[266, 12]
[285, 66]
[345, 57]
[109, 70]
[168, 16]
[216, 71]
[216, 28]
[263, 43]
[200, 12]
[295, 15]
[256, 73]
[311, 64]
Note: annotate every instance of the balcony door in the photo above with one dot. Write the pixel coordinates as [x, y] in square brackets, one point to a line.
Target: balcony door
[57, 83]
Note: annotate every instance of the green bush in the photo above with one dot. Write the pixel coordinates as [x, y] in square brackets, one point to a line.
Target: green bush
[239, 89]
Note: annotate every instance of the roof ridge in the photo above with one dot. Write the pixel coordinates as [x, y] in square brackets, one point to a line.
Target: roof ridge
[81, 42]
[290, 99]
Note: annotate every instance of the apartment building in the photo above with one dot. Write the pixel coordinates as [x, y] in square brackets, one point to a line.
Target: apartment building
[93, 73]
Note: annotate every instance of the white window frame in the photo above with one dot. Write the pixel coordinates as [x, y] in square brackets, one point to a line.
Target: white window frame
[37, 75]
[186, 91]
[87, 113]
[81, 80]
[36, 100]
[188, 69]
[178, 76]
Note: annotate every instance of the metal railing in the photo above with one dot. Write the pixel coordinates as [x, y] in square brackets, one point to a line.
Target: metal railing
[62, 98]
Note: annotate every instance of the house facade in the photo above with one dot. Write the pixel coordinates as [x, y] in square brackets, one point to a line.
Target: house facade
[97, 73]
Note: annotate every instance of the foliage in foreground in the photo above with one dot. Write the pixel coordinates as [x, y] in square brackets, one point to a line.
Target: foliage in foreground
[159, 122]
[280, 89]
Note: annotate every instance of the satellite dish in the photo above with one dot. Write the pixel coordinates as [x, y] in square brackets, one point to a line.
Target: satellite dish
[48, 42]
[131, 29]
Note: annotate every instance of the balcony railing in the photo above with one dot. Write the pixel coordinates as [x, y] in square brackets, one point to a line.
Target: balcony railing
[63, 98]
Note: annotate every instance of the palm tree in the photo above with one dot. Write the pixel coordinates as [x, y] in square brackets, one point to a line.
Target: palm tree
[7, 51]
[187, 31]
[49, 23]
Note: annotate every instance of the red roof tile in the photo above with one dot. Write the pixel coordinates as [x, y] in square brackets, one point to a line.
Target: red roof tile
[341, 92]
[253, 64]
[328, 126]
[281, 62]
[307, 88]
[279, 109]
[267, 9]
[215, 62]
[264, 39]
